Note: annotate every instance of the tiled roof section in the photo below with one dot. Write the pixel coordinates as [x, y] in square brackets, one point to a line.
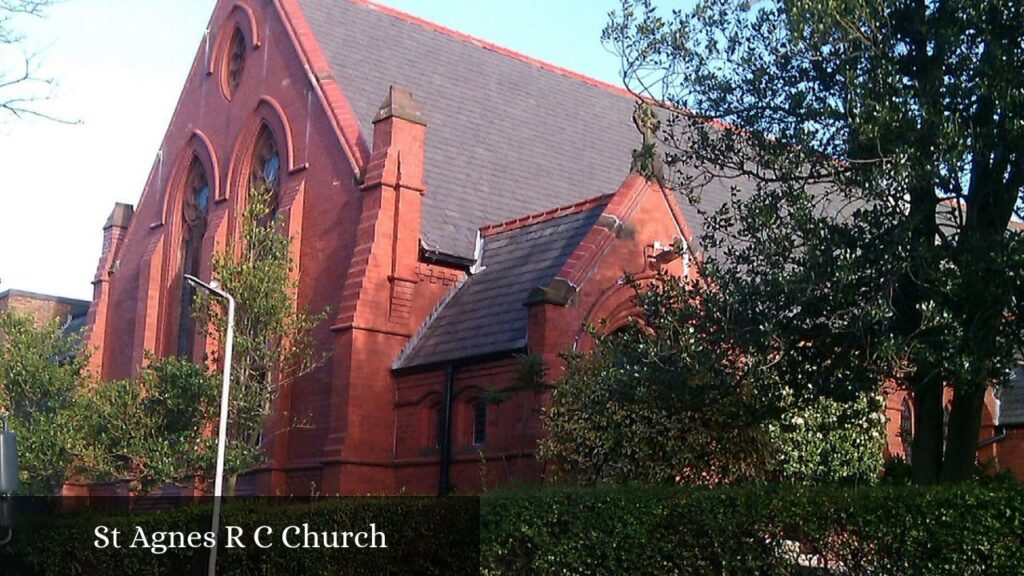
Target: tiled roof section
[1011, 400]
[486, 314]
[506, 135]
[74, 326]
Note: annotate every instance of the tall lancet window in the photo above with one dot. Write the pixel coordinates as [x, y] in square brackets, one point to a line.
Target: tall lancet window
[266, 170]
[235, 64]
[194, 210]
[907, 429]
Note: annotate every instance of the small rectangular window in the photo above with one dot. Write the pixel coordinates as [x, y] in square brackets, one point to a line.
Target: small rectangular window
[480, 422]
[438, 413]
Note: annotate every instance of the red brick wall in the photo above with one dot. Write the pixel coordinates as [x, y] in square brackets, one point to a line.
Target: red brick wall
[320, 202]
[894, 439]
[43, 310]
[1010, 452]
[513, 427]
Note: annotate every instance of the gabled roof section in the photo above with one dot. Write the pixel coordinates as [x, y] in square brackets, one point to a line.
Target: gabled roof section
[486, 315]
[507, 135]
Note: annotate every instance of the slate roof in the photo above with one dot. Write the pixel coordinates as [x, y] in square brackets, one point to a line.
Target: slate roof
[75, 325]
[505, 136]
[486, 314]
[1011, 400]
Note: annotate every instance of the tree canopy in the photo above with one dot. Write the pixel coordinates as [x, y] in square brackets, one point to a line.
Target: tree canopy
[885, 141]
[40, 374]
[685, 397]
[273, 337]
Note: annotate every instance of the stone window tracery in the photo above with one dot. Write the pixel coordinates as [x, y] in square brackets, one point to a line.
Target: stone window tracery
[266, 170]
[234, 65]
[195, 207]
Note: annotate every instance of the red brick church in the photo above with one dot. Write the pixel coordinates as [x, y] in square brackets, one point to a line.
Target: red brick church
[451, 203]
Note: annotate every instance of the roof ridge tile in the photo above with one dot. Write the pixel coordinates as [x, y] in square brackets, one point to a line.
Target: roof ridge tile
[540, 217]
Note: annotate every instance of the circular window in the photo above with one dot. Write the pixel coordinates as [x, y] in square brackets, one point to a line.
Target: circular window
[234, 63]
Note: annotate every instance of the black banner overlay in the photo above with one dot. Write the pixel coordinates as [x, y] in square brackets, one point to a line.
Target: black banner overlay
[293, 536]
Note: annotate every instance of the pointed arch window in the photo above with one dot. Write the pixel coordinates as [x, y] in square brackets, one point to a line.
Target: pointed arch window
[195, 207]
[907, 429]
[945, 425]
[234, 64]
[266, 170]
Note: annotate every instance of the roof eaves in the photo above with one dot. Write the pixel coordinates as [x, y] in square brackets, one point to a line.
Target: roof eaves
[518, 347]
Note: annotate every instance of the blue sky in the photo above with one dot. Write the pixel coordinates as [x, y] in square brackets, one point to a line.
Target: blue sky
[120, 66]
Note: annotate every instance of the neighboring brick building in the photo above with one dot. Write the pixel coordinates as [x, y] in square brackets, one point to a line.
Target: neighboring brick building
[71, 313]
[451, 203]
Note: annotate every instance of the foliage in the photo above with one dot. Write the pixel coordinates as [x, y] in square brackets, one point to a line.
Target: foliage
[682, 400]
[828, 441]
[967, 530]
[662, 404]
[885, 147]
[273, 341]
[40, 371]
[151, 430]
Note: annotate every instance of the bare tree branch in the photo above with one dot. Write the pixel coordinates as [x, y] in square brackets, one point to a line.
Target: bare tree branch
[21, 91]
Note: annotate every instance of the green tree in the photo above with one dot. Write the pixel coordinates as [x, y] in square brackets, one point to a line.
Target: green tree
[273, 338]
[886, 141]
[151, 430]
[828, 441]
[679, 399]
[40, 373]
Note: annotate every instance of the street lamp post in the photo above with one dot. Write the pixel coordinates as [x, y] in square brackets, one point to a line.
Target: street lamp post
[222, 432]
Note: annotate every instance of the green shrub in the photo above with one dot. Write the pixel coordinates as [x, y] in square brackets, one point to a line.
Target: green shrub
[884, 530]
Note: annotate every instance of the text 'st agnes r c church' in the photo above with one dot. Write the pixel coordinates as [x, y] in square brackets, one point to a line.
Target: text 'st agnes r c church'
[452, 204]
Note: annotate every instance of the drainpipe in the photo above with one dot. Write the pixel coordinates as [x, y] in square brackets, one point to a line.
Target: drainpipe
[445, 486]
[989, 441]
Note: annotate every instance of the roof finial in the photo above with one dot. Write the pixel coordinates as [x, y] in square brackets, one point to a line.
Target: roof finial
[647, 159]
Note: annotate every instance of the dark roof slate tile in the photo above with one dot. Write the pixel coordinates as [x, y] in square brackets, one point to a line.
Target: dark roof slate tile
[486, 314]
[1011, 400]
[505, 137]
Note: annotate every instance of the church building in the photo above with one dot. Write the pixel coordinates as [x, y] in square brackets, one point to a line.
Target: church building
[451, 204]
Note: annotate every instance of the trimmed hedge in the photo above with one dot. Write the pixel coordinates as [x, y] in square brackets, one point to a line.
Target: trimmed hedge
[878, 530]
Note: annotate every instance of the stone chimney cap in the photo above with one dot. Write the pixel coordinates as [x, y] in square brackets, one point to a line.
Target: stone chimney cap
[120, 216]
[399, 104]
